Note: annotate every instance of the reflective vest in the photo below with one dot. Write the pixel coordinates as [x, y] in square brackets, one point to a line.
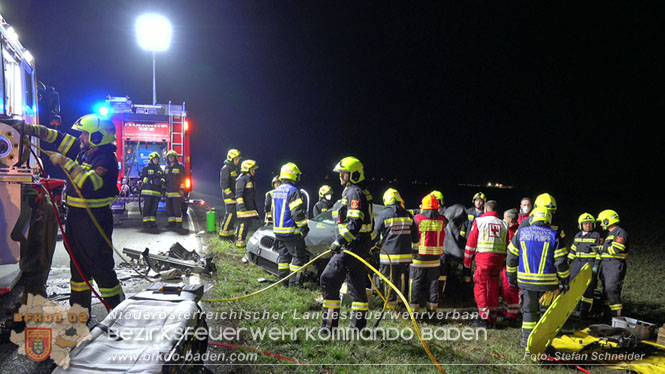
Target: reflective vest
[432, 234]
[492, 235]
[285, 199]
[537, 251]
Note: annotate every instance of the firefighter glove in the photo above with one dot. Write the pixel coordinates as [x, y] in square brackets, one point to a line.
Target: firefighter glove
[512, 282]
[305, 230]
[28, 130]
[564, 287]
[59, 159]
[335, 247]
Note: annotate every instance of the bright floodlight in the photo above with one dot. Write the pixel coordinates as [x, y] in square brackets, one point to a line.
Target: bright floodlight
[153, 32]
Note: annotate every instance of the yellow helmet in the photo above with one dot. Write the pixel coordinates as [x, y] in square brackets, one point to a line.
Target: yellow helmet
[608, 218]
[429, 203]
[172, 153]
[101, 131]
[353, 166]
[585, 217]
[439, 196]
[324, 190]
[290, 171]
[247, 165]
[391, 196]
[541, 214]
[479, 195]
[154, 155]
[547, 201]
[233, 153]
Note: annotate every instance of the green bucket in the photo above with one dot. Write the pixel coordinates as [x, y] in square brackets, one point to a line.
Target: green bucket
[211, 220]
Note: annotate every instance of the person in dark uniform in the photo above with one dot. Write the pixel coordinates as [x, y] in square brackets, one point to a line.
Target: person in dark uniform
[355, 233]
[227, 181]
[174, 174]
[290, 225]
[613, 256]
[396, 233]
[536, 262]
[267, 205]
[474, 211]
[325, 201]
[91, 162]
[245, 201]
[151, 189]
[584, 250]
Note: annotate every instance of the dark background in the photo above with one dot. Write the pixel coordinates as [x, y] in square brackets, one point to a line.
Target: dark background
[565, 98]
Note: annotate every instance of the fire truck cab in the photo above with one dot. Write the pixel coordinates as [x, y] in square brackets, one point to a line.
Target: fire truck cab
[141, 130]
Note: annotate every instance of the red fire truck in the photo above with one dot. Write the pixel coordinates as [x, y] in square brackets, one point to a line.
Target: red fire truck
[141, 130]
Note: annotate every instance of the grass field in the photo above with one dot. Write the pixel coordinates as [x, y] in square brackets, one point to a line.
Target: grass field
[500, 353]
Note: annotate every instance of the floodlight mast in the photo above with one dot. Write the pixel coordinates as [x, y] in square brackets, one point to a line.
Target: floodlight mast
[153, 32]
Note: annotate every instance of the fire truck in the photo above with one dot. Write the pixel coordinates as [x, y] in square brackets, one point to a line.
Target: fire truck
[141, 130]
[22, 190]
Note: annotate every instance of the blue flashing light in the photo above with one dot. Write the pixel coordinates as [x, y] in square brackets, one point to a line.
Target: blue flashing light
[103, 109]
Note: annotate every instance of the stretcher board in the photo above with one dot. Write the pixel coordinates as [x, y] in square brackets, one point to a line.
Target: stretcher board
[557, 314]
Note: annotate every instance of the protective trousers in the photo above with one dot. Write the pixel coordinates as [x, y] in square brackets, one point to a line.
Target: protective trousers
[343, 267]
[241, 233]
[292, 256]
[400, 274]
[587, 299]
[150, 204]
[530, 312]
[486, 289]
[173, 209]
[228, 225]
[614, 271]
[424, 284]
[510, 296]
[94, 256]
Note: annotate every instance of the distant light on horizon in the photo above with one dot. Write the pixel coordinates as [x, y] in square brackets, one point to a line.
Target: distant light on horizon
[153, 32]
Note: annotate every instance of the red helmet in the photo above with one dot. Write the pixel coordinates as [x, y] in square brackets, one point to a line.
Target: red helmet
[430, 202]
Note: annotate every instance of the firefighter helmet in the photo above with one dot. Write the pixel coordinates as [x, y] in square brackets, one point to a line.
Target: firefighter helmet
[101, 131]
[391, 196]
[324, 190]
[585, 217]
[547, 201]
[153, 155]
[247, 165]
[353, 166]
[429, 202]
[541, 214]
[290, 171]
[438, 195]
[233, 153]
[608, 218]
[172, 153]
[275, 179]
[477, 196]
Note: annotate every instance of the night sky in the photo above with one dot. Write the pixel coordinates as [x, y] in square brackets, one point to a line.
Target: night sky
[547, 97]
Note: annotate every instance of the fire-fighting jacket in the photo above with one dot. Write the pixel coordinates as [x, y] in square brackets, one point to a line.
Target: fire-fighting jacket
[455, 242]
[527, 222]
[397, 232]
[98, 184]
[585, 246]
[615, 245]
[288, 210]
[487, 240]
[321, 206]
[535, 260]
[471, 214]
[431, 228]
[267, 207]
[227, 181]
[246, 196]
[354, 216]
[175, 179]
[152, 176]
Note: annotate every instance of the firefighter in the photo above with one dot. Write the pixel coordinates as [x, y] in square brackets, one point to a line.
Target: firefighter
[355, 232]
[267, 205]
[613, 256]
[474, 211]
[439, 198]
[227, 181]
[151, 189]
[509, 294]
[396, 231]
[245, 200]
[424, 272]
[585, 250]
[536, 262]
[547, 201]
[174, 174]
[525, 209]
[486, 245]
[91, 162]
[290, 227]
[325, 201]
[453, 255]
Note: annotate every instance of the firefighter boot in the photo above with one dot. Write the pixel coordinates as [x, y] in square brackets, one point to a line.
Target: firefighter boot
[358, 319]
[330, 316]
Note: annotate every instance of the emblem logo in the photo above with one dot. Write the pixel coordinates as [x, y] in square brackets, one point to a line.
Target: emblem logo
[37, 343]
